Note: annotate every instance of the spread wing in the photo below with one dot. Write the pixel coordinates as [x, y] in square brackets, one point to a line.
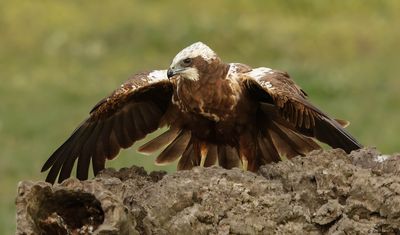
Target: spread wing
[287, 104]
[127, 115]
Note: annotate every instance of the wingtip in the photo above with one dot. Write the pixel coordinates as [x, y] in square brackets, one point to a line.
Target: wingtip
[43, 169]
[50, 180]
[46, 166]
[144, 151]
[160, 163]
[343, 123]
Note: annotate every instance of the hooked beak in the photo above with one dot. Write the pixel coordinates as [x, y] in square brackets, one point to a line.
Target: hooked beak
[173, 71]
[170, 73]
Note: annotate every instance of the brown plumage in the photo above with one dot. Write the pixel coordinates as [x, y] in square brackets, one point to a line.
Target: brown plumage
[217, 113]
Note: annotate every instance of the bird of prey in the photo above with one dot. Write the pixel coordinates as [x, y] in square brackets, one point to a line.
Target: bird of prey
[217, 113]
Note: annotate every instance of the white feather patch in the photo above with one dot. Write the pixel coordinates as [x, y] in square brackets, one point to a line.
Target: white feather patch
[194, 50]
[191, 74]
[233, 69]
[259, 73]
[157, 76]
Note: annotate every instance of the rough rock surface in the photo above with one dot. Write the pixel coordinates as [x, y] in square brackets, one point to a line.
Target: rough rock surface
[327, 192]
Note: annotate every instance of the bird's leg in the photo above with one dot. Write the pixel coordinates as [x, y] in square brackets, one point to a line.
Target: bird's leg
[203, 153]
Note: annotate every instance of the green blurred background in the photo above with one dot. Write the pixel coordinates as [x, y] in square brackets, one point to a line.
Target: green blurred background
[58, 58]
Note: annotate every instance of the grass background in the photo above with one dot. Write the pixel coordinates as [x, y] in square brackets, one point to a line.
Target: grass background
[58, 58]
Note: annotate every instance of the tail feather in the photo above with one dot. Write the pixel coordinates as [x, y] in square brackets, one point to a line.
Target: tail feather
[228, 157]
[160, 141]
[175, 149]
[212, 155]
[186, 162]
[191, 157]
[267, 150]
[289, 143]
[274, 140]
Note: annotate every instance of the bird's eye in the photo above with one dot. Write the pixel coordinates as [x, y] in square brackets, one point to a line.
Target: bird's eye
[187, 61]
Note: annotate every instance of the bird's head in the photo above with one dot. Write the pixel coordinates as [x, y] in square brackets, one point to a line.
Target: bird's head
[193, 61]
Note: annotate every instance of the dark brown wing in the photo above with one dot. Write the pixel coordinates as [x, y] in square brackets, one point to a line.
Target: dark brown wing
[127, 115]
[287, 104]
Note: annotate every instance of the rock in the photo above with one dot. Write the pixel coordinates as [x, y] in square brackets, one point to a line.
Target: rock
[326, 192]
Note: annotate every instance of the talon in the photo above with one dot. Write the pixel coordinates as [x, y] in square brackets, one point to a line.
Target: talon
[203, 152]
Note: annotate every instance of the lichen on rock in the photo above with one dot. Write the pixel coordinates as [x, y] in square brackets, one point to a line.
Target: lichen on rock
[326, 192]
